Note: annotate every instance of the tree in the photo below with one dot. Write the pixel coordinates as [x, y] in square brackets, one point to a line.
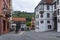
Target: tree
[28, 18]
[28, 24]
[26, 15]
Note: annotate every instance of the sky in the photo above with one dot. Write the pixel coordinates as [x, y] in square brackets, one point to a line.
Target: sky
[24, 5]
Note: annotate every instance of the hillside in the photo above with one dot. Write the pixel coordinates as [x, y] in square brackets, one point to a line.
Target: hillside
[23, 14]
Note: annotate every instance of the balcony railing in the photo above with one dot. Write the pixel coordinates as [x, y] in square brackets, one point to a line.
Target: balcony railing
[8, 15]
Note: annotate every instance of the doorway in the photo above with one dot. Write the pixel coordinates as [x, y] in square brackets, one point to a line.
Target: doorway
[55, 23]
[3, 25]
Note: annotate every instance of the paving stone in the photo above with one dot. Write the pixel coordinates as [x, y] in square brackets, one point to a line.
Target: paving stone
[31, 35]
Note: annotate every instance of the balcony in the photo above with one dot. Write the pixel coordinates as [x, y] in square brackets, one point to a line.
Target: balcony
[6, 12]
[8, 15]
[2, 15]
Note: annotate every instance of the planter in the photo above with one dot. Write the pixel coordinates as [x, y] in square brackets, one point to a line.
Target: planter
[41, 12]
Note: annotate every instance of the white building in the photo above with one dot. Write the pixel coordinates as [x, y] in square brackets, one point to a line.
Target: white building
[58, 14]
[46, 15]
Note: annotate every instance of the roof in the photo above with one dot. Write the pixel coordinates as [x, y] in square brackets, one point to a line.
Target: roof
[44, 2]
[19, 19]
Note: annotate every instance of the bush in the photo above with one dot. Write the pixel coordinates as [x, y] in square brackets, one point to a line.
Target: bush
[28, 24]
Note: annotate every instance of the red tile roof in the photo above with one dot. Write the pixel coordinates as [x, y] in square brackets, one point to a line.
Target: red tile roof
[18, 19]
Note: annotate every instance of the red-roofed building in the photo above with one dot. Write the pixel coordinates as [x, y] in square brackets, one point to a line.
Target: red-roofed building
[21, 22]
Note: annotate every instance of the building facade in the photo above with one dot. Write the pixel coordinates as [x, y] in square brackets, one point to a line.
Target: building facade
[32, 24]
[5, 14]
[20, 23]
[47, 15]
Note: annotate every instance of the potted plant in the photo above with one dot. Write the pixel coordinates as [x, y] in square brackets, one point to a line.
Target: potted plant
[41, 12]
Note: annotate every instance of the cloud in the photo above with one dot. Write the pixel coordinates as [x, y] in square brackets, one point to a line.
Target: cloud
[24, 5]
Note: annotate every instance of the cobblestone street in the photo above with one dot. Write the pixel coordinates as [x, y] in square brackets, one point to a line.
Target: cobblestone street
[31, 35]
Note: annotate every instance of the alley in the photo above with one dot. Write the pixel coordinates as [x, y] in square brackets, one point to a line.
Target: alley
[31, 35]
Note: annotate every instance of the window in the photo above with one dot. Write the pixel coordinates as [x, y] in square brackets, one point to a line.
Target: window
[42, 22]
[48, 21]
[37, 22]
[48, 15]
[49, 26]
[41, 7]
[58, 20]
[37, 16]
[57, 1]
[14, 21]
[41, 15]
[37, 27]
[4, 25]
[47, 7]
[55, 5]
[58, 11]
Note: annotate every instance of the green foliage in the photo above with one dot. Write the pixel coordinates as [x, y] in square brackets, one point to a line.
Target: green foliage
[28, 24]
[26, 15]
[28, 18]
